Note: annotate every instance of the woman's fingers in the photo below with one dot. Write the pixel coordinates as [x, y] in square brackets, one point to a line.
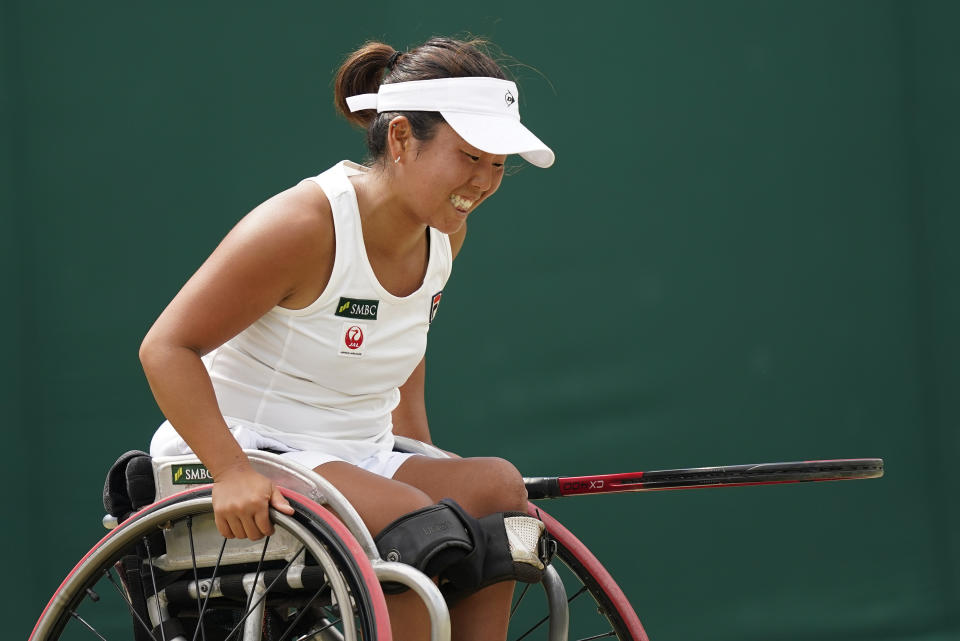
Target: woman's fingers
[250, 529]
[222, 526]
[229, 527]
[241, 502]
[245, 526]
[236, 526]
[279, 502]
[261, 521]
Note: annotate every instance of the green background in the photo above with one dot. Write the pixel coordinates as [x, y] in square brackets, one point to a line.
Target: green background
[742, 255]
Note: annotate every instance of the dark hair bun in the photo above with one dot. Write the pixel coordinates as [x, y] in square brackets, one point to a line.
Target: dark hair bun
[361, 72]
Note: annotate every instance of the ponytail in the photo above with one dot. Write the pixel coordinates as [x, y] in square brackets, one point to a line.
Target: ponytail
[362, 72]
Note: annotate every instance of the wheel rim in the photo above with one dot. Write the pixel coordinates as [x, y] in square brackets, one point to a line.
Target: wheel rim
[590, 616]
[95, 601]
[598, 609]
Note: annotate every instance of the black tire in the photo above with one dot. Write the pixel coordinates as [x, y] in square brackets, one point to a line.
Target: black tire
[105, 591]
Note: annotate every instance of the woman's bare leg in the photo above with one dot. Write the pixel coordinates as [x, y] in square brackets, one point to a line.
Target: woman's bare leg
[379, 501]
[481, 486]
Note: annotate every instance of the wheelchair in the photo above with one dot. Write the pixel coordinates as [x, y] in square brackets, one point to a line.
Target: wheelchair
[167, 572]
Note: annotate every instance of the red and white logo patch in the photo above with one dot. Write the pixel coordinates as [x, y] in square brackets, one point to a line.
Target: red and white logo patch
[353, 339]
[435, 305]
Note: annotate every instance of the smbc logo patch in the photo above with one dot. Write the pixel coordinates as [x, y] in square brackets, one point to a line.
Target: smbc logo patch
[191, 474]
[359, 308]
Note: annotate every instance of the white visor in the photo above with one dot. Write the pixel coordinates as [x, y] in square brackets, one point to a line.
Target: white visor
[484, 111]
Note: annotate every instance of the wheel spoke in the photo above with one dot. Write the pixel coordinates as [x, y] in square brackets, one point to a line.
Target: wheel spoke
[516, 605]
[599, 636]
[206, 598]
[334, 594]
[265, 592]
[312, 634]
[546, 618]
[584, 626]
[578, 593]
[89, 627]
[130, 607]
[156, 596]
[256, 575]
[535, 626]
[329, 625]
[196, 578]
[303, 611]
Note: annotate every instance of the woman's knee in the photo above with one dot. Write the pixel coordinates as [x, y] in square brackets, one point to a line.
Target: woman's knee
[481, 486]
[503, 489]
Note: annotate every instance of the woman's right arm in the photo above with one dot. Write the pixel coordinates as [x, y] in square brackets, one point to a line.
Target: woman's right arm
[279, 254]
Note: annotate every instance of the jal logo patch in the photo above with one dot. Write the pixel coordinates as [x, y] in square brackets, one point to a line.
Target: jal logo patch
[190, 474]
[353, 339]
[435, 304]
[359, 308]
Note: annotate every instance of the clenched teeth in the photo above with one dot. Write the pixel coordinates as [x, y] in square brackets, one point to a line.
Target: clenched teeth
[460, 202]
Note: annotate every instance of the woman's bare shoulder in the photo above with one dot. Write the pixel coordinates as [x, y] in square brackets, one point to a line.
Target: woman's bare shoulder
[288, 241]
[295, 222]
[303, 208]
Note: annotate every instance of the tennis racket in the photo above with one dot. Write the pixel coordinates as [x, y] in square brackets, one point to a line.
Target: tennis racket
[701, 477]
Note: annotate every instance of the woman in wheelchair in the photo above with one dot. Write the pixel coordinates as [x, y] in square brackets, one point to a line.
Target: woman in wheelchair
[305, 331]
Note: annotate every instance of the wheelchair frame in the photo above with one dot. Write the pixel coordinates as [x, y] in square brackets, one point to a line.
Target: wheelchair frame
[345, 568]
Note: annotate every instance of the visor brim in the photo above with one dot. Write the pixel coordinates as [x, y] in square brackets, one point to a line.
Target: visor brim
[498, 135]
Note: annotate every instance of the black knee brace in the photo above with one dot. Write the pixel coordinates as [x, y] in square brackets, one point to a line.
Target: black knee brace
[464, 552]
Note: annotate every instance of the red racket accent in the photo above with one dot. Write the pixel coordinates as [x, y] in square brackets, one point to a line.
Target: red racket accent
[601, 483]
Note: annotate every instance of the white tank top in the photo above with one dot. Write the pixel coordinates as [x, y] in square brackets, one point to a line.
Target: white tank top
[325, 377]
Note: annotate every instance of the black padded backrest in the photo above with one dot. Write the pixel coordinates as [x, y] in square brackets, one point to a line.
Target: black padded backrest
[140, 485]
[129, 485]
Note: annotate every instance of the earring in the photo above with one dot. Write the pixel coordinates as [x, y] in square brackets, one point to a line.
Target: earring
[397, 161]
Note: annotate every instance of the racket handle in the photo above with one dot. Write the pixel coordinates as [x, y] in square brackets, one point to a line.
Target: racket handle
[542, 487]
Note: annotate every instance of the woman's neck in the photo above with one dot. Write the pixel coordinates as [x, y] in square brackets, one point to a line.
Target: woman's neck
[389, 229]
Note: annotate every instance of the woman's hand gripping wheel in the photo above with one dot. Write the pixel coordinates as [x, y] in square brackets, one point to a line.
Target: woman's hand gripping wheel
[242, 499]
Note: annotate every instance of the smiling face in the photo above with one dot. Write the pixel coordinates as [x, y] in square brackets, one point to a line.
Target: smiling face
[442, 180]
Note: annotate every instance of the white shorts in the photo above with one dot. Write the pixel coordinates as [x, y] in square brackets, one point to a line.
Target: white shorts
[166, 442]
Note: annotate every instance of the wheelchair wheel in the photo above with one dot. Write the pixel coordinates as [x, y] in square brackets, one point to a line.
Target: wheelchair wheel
[607, 614]
[167, 571]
